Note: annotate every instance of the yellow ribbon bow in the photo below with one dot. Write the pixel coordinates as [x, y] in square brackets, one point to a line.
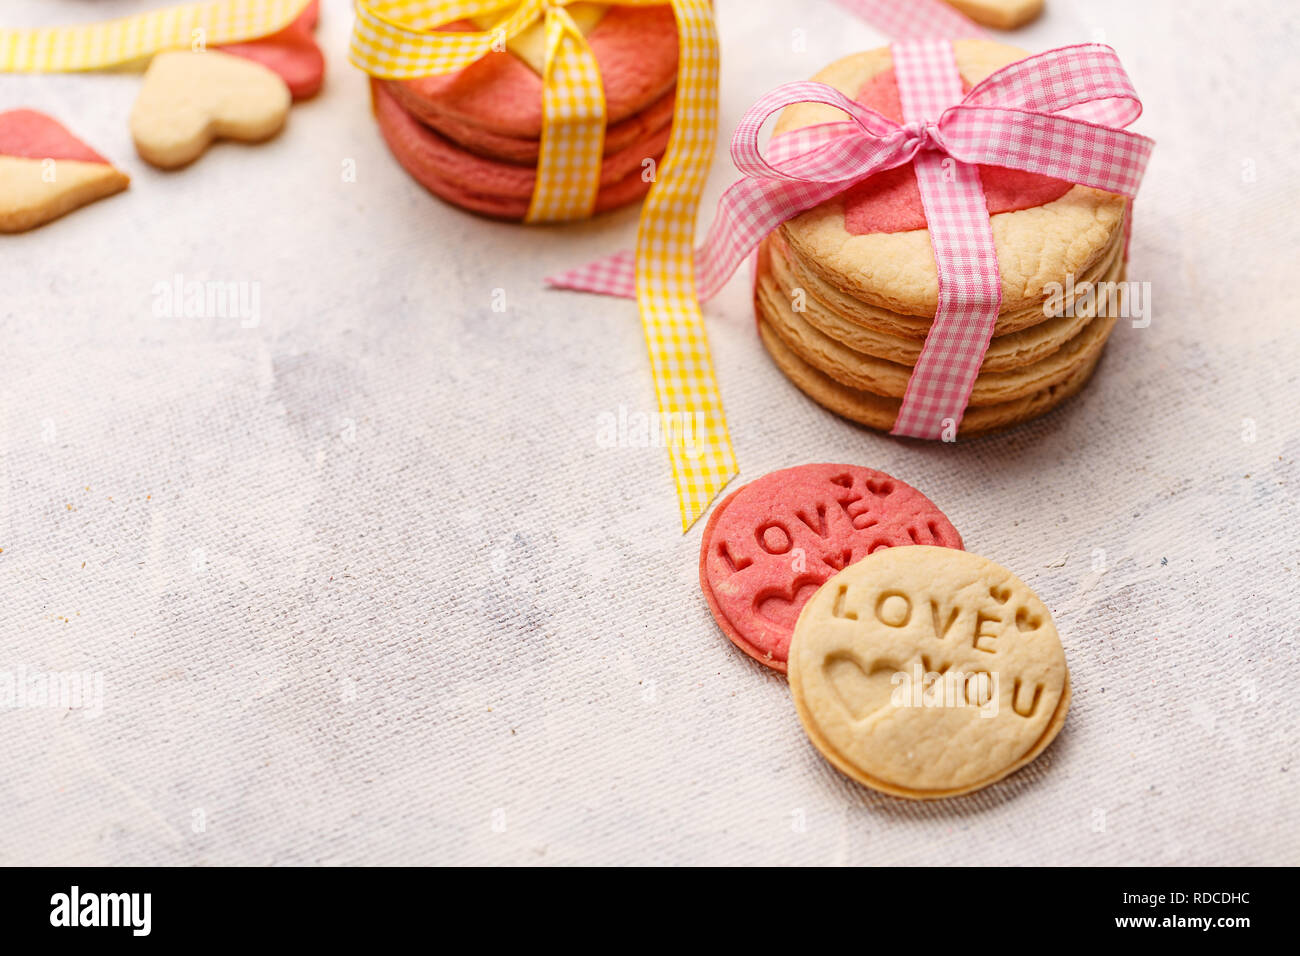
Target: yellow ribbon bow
[394, 39]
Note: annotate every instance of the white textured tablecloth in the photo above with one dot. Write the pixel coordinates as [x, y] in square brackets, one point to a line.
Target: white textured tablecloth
[363, 586]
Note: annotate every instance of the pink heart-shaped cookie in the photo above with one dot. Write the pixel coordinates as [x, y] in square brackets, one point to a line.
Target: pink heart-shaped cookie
[891, 201]
[292, 53]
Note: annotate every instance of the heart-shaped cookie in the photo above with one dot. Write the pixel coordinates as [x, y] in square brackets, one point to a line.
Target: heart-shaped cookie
[292, 53]
[46, 172]
[891, 201]
[189, 99]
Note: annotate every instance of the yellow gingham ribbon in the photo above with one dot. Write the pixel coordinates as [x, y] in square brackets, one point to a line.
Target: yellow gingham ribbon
[665, 270]
[97, 46]
[393, 40]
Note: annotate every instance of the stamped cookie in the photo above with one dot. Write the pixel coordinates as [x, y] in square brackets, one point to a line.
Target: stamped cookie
[928, 672]
[187, 100]
[46, 172]
[769, 545]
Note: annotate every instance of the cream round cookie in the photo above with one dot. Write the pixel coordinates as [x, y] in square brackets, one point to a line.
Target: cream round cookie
[878, 412]
[1005, 352]
[889, 379]
[896, 271]
[916, 328]
[928, 672]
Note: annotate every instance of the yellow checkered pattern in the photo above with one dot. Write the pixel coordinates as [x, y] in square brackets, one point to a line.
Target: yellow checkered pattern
[665, 274]
[96, 46]
[573, 136]
[395, 39]
[391, 40]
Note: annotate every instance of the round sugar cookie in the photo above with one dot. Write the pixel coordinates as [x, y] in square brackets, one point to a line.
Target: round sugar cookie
[928, 672]
[878, 412]
[769, 545]
[1005, 352]
[868, 243]
[889, 379]
[915, 327]
[634, 47]
[628, 133]
[1021, 340]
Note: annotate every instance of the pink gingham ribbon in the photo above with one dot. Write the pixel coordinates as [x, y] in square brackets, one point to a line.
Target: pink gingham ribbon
[1060, 114]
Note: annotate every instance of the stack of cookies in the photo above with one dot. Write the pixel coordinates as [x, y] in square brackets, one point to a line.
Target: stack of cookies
[473, 137]
[847, 291]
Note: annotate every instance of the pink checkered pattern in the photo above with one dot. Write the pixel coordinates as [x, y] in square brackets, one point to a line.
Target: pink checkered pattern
[913, 19]
[807, 167]
[970, 284]
[1060, 113]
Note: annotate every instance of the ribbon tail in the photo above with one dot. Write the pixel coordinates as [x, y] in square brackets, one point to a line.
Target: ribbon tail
[614, 275]
[700, 447]
[746, 213]
[97, 46]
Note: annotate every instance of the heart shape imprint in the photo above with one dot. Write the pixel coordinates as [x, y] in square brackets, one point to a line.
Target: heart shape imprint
[189, 99]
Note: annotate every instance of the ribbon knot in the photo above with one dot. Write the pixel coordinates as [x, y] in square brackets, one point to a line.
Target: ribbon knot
[922, 135]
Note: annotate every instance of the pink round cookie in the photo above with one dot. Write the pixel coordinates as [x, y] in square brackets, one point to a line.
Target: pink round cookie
[292, 53]
[635, 48]
[515, 149]
[771, 544]
[501, 190]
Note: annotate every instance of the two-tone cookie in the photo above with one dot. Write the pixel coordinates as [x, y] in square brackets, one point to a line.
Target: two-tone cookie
[46, 172]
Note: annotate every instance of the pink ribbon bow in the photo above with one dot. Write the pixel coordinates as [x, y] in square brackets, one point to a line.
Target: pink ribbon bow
[1059, 114]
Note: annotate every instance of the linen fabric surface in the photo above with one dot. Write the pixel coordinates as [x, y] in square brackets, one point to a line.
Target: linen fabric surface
[377, 567]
